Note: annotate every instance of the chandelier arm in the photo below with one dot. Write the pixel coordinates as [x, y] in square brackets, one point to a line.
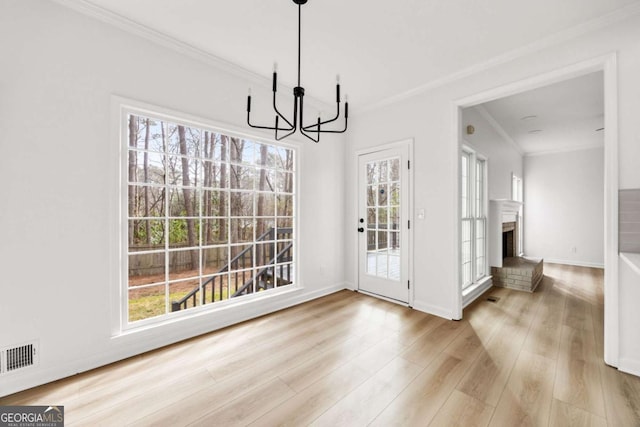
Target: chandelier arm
[301, 99]
[262, 127]
[280, 138]
[266, 127]
[346, 111]
[315, 125]
[278, 112]
[269, 128]
[294, 127]
[335, 131]
[275, 89]
[346, 117]
[310, 137]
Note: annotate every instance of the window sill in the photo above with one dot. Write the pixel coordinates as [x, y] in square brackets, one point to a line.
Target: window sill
[245, 304]
[471, 293]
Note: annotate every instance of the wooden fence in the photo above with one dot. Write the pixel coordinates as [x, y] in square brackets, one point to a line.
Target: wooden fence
[153, 263]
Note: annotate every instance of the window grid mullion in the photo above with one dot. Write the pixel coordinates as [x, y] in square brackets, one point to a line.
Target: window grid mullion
[172, 173]
[167, 239]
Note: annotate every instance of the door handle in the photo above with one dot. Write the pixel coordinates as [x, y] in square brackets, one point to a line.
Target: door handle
[361, 229]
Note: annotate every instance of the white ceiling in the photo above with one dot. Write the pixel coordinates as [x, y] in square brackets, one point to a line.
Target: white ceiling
[381, 49]
[560, 117]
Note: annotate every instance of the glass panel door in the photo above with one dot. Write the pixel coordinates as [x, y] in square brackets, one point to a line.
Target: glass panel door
[383, 218]
[383, 223]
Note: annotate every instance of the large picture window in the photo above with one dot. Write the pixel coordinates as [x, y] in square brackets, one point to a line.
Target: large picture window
[210, 217]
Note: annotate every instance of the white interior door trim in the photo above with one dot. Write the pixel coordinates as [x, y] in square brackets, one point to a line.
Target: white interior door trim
[409, 143]
[608, 64]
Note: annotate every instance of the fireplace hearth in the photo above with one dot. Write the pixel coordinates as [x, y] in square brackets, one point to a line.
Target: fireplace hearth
[508, 269]
[520, 273]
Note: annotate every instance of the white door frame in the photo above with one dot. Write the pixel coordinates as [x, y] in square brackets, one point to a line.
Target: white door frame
[607, 64]
[401, 143]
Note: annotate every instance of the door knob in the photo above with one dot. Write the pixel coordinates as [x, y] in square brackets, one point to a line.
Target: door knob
[361, 229]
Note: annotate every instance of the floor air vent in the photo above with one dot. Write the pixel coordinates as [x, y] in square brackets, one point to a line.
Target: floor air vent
[14, 358]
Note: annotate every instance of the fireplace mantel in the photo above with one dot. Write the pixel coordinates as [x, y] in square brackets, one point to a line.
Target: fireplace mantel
[505, 206]
[500, 211]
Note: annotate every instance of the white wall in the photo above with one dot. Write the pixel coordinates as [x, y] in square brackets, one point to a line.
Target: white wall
[429, 117]
[59, 211]
[425, 120]
[58, 70]
[564, 207]
[503, 158]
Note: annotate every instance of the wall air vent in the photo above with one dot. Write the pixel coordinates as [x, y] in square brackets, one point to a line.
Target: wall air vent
[19, 357]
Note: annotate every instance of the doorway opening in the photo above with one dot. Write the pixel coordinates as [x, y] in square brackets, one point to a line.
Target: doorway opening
[602, 71]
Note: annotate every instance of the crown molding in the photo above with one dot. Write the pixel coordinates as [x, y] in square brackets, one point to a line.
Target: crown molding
[565, 150]
[89, 9]
[132, 27]
[554, 39]
[499, 129]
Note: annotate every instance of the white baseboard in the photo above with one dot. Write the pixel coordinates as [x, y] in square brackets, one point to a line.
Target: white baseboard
[630, 366]
[573, 262]
[136, 344]
[433, 309]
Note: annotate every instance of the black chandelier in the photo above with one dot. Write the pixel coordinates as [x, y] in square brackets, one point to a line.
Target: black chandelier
[311, 131]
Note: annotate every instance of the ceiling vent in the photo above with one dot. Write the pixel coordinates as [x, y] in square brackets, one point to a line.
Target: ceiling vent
[18, 357]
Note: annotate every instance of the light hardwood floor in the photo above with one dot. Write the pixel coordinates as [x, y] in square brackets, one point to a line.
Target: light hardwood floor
[352, 360]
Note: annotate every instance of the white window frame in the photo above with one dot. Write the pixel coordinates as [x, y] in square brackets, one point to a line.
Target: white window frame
[517, 194]
[516, 188]
[122, 109]
[474, 217]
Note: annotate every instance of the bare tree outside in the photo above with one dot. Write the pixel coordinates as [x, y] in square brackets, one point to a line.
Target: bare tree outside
[188, 196]
[207, 212]
[133, 140]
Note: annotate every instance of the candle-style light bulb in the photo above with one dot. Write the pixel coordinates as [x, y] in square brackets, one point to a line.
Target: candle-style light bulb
[338, 79]
[346, 106]
[249, 92]
[275, 76]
